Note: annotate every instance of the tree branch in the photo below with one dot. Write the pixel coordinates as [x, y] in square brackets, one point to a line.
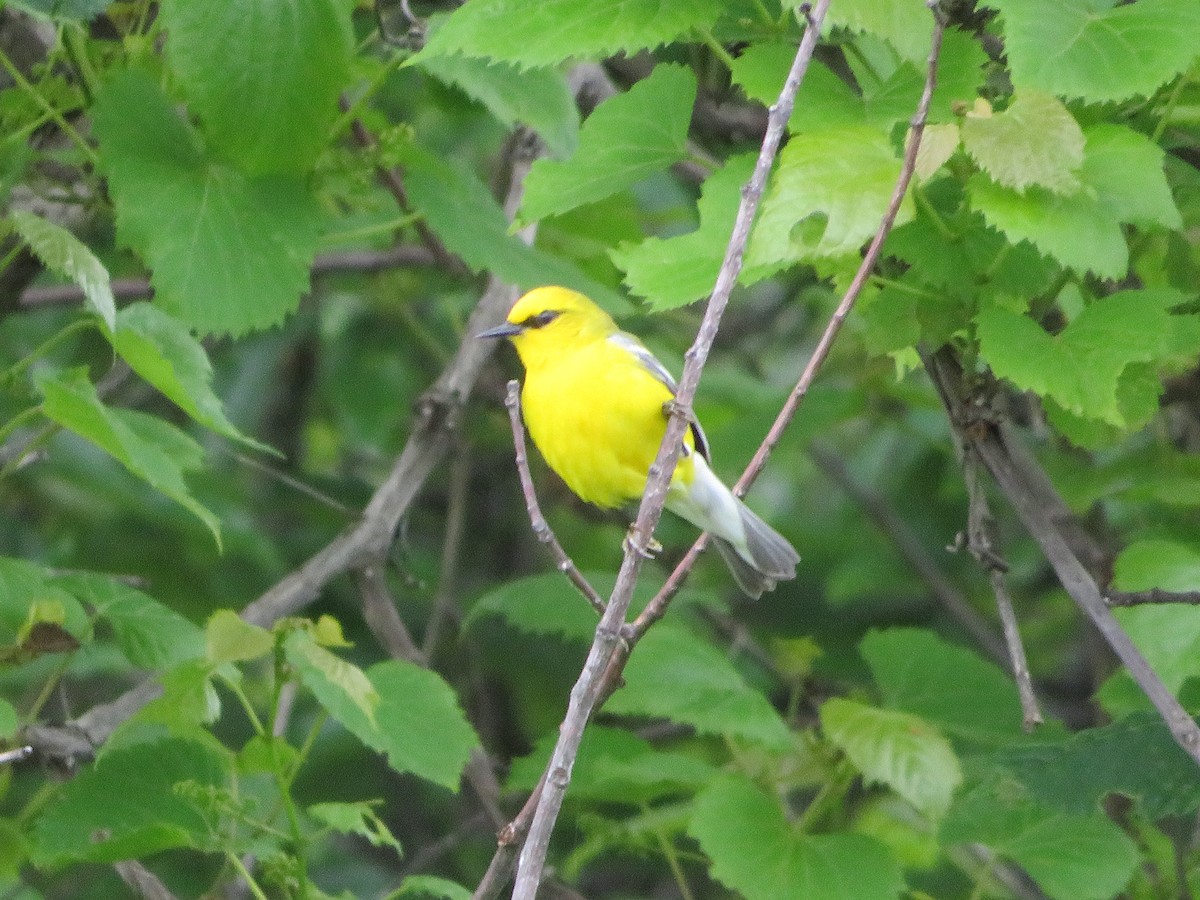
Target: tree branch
[1039, 506]
[541, 528]
[1154, 595]
[587, 690]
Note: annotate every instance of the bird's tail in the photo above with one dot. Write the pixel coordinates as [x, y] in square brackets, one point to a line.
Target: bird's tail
[767, 559]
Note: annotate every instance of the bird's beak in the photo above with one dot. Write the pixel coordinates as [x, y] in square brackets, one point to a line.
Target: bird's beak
[500, 331]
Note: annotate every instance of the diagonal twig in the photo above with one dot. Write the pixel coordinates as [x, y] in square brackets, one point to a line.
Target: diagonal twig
[541, 528]
[1038, 505]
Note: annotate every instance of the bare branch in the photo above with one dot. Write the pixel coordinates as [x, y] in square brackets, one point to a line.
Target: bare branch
[142, 881]
[1154, 595]
[1038, 505]
[402, 256]
[541, 528]
[587, 689]
[382, 616]
[456, 517]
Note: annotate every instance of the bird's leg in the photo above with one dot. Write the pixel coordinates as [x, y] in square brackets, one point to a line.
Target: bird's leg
[648, 551]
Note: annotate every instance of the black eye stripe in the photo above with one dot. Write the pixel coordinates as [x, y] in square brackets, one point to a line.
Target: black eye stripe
[541, 319]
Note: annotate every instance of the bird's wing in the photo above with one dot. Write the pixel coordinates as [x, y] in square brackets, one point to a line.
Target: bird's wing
[650, 363]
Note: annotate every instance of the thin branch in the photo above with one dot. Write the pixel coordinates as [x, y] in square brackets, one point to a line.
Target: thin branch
[382, 616]
[456, 520]
[1154, 595]
[541, 528]
[142, 881]
[912, 551]
[983, 544]
[402, 256]
[1036, 503]
[587, 690]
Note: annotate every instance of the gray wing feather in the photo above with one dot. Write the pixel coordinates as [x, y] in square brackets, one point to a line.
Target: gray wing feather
[650, 363]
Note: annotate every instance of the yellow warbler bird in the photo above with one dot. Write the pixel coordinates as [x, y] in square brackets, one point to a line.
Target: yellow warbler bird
[594, 400]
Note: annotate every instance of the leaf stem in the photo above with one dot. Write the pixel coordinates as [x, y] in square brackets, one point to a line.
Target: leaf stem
[72, 37]
[830, 794]
[245, 873]
[716, 47]
[11, 374]
[17, 421]
[1172, 102]
[54, 113]
[672, 858]
[351, 113]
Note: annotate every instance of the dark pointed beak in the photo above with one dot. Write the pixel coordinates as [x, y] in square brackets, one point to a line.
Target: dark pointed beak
[501, 331]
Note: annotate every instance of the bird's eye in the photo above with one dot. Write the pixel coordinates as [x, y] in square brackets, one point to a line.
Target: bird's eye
[541, 319]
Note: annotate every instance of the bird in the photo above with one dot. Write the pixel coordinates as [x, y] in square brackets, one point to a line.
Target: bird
[595, 402]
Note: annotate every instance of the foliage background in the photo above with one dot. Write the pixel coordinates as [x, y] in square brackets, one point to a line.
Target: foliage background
[165, 464]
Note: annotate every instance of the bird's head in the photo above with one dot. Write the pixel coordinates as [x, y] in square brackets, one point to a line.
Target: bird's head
[549, 321]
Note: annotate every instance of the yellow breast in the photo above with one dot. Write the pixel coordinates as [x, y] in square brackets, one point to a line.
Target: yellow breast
[596, 415]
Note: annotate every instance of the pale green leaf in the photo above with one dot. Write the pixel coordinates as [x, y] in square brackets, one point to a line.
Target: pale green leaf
[948, 686]
[1072, 857]
[896, 749]
[754, 850]
[271, 110]
[538, 98]
[678, 676]
[673, 271]
[148, 447]
[1166, 565]
[161, 350]
[149, 633]
[1098, 51]
[356, 818]
[230, 638]
[418, 723]
[1081, 366]
[64, 254]
[1035, 141]
[229, 253]
[1076, 230]
[128, 805]
[905, 24]
[546, 32]
[629, 137]
[1125, 169]
[1168, 635]
[938, 144]
[327, 675]
[827, 197]
[469, 221]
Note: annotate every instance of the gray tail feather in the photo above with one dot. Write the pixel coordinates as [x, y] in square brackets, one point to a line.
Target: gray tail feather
[773, 558]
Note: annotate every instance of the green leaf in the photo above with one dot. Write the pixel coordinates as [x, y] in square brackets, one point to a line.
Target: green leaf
[9, 720]
[229, 253]
[1098, 51]
[272, 111]
[1125, 169]
[947, 686]
[127, 805]
[1035, 141]
[809, 211]
[629, 137]
[1071, 857]
[550, 31]
[230, 638]
[615, 766]
[333, 680]
[678, 270]
[27, 595]
[463, 213]
[897, 749]
[148, 447]
[188, 699]
[678, 676]
[1080, 367]
[1168, 636]
[544, 604]
[64, 254]
[161, 350]
[418, 723]
[356, 818]
[538, 98]
[431, 886]
[756, 852]
[1148, 564]
[1075, 773]
[82, 10]
[899, 22]
[151, 635]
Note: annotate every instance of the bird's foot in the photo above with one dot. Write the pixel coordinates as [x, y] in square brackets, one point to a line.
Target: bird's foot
[673, 407]
[631, 543]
